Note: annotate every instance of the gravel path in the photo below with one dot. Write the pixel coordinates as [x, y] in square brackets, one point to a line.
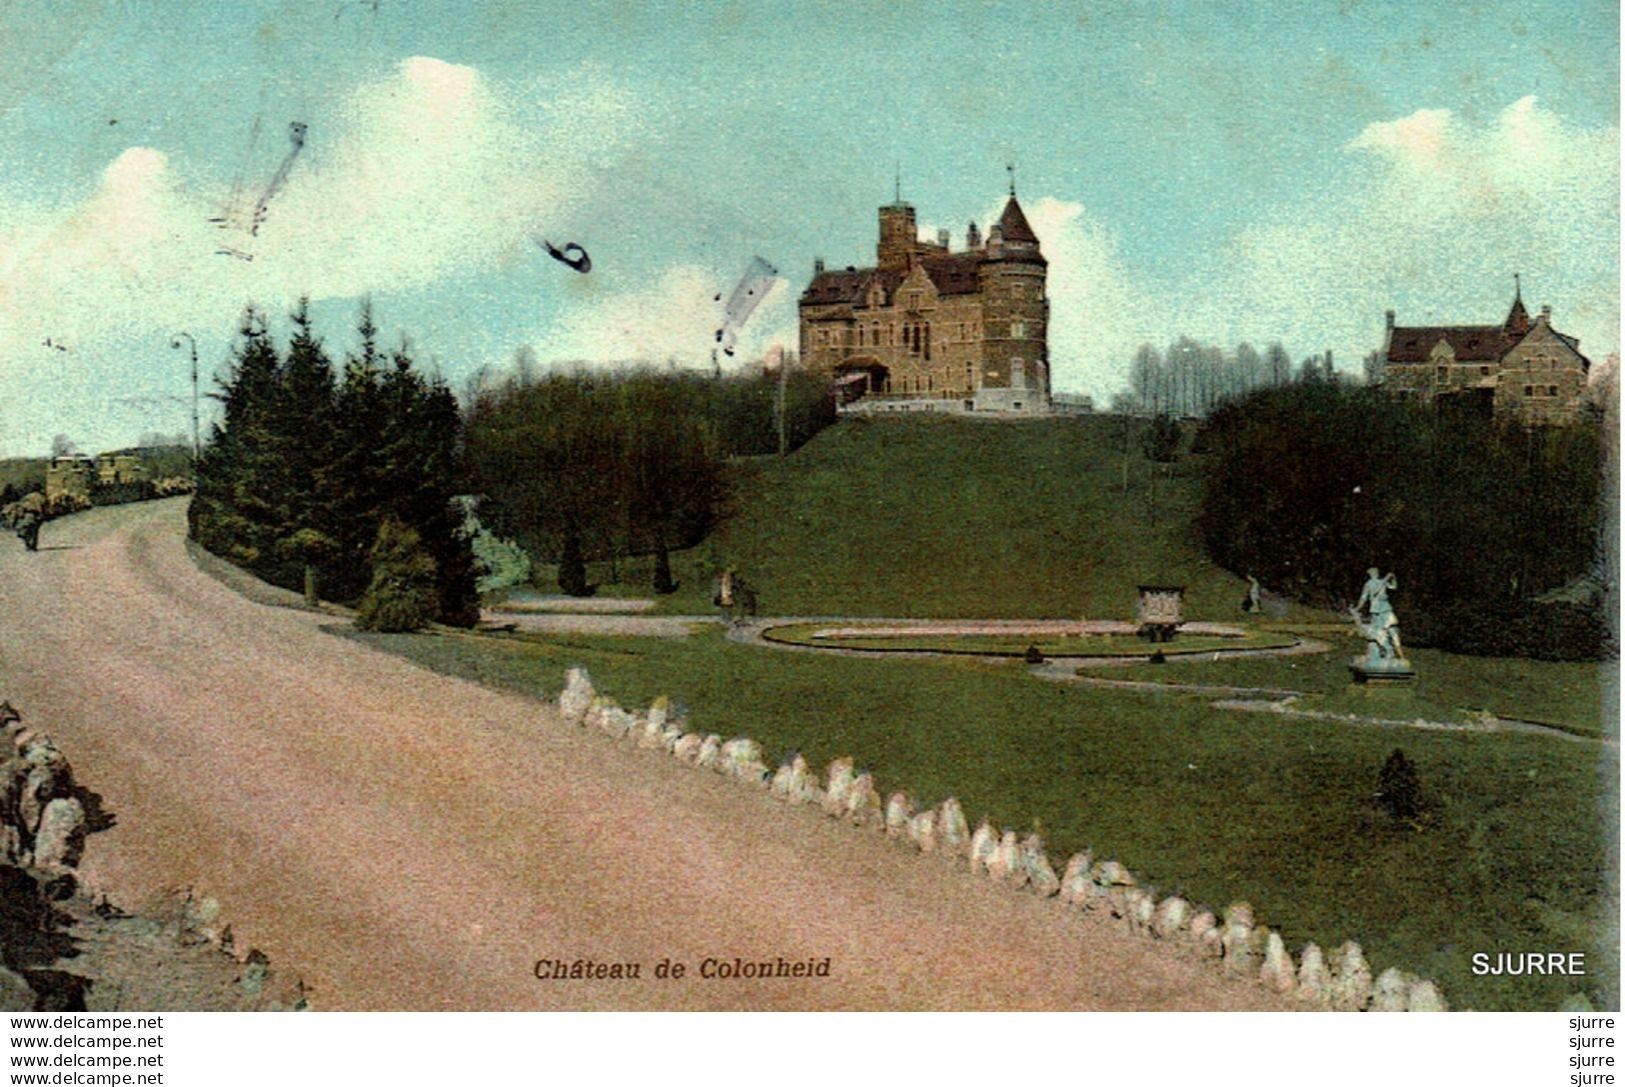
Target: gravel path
[411, 841]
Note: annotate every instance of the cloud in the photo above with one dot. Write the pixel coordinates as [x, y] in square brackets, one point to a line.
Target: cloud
[1098, 315]
[428, 173]
[1430, 216]
[673, 319]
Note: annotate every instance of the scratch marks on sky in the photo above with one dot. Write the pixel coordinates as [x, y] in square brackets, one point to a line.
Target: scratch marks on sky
[581, 262]
[746, 296]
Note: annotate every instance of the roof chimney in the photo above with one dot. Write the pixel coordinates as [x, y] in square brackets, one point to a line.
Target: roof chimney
[818, 268]
[1390, 318]
[973, 237]
[1545, 315]
[942, 237]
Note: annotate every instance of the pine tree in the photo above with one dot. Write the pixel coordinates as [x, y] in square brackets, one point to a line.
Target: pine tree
[302, 435]
[232, 513]
[354, 480]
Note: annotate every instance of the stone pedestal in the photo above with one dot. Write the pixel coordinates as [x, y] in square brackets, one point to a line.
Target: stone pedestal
[1375, 670]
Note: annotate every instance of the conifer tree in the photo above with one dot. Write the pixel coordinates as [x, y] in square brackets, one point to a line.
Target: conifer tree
[302, 436]
[353, 477]
[231, 513]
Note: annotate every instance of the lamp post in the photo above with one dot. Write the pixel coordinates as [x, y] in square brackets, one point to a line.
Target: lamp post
[175, 342]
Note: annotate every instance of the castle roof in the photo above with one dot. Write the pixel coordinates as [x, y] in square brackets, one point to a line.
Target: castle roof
[828, 288]
[1469, 343]
[954, 273]
[1013, 224]
[950, 273]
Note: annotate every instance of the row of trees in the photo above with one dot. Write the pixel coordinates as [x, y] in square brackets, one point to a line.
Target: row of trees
[1307, 486]
[1192, 378]
[593, 465]
[307, 469]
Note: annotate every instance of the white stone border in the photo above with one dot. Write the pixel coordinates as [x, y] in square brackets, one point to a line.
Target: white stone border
[1235, 942]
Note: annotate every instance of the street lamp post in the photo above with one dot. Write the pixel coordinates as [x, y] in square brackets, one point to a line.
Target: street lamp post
[175, 342]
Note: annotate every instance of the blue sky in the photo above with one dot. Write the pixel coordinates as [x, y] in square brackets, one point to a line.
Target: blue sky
[1226, 171]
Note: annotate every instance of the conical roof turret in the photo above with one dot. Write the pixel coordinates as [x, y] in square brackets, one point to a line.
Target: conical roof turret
[1013, 224]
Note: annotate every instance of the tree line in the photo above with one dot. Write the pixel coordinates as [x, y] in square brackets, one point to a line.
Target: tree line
[339, 485]
[344, 484]
[1192, 378]
[593, 465]
[1307, 486]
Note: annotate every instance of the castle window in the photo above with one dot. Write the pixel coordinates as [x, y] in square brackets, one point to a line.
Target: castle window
[1529, 390]
[1551, 390]
[928, 343]
[1018, 330]
[1444, 372]
[1484, 371]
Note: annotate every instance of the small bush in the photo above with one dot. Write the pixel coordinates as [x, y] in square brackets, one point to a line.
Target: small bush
[402, 595]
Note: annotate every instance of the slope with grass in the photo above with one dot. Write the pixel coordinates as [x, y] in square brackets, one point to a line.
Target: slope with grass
[948, 517]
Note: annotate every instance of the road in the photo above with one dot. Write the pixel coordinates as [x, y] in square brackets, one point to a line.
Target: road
[403, 840]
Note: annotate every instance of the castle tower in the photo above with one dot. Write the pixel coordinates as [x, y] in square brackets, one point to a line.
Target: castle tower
[897, 235]
[1015, 367]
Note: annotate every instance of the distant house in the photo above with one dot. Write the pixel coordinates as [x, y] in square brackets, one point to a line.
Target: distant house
[78, 475]
[1519, 369]
[69, 475]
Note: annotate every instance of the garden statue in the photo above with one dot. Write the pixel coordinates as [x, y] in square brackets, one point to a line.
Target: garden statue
[1384, 654]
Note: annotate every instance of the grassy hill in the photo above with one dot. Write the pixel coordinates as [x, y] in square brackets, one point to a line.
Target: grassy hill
[942, 517]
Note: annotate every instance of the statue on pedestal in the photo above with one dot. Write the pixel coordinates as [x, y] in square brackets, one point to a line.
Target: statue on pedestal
[1384, 653]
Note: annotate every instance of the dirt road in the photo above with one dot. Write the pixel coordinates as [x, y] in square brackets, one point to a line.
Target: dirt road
[403, 840]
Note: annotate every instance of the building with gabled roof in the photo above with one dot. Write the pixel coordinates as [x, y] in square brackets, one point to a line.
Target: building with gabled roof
[931, 328]
[1519, 369]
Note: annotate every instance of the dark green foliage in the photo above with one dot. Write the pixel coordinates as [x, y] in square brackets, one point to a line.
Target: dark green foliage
[1307, 486]
[1559, 631]
[1398, 789]
[299, 476]
[580, 467]
[403, 594]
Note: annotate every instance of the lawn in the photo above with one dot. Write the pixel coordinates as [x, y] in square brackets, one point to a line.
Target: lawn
[947, 517]
[1220, 806]
[1448, 686]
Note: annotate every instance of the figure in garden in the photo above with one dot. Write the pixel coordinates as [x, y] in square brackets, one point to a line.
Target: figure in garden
[1381, 629]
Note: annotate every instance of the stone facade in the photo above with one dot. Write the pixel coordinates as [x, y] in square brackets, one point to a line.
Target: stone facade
[963, 331]
[69, 475]
[1521, 369]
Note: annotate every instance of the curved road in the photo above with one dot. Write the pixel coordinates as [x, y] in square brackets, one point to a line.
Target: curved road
[404, 840]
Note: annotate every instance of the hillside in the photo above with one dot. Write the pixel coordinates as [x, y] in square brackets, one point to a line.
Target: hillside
[936, 516]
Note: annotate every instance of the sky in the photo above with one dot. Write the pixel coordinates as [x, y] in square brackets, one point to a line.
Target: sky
[1227, 171]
